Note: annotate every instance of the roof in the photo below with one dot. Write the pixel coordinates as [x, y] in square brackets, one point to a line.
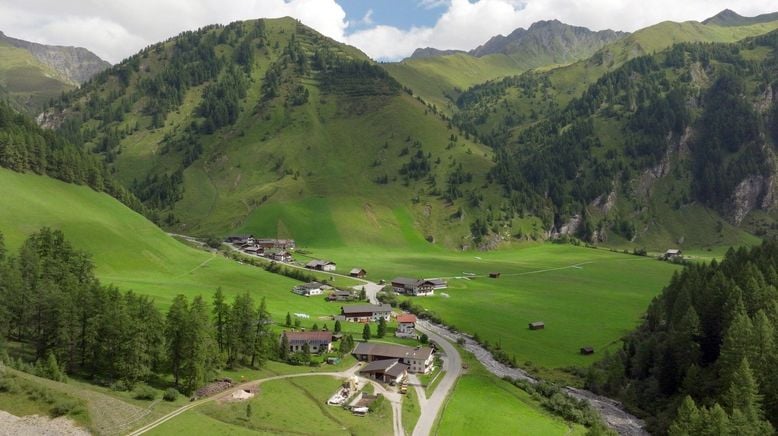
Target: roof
[311, 285]
[436, 282]
[673, 251]
[343, 293]
[393, 351]
[315, 263]
[407, 317]
[389, 366]
[362, 308]
[317, 338]
[537, 323]
[357, 271]
[405, 281]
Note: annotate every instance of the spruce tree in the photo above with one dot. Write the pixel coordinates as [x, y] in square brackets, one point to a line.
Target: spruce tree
[366, 332]
[288, 319]
[687, 419]
[337, 328]
[220, 315]
[381, 331]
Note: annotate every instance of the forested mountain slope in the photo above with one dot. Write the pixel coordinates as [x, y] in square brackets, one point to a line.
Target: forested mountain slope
[648, 147]
[267, 126]
[704, 359]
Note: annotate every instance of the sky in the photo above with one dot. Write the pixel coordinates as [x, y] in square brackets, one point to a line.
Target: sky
[386, 30]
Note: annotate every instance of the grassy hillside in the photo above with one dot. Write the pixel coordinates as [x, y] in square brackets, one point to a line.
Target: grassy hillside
[28, 82]
[270, 119]
[132, 253]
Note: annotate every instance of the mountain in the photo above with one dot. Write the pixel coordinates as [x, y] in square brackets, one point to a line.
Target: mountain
[728, 17]
[429, 52]
[269, 127]
[548, 42]
[439, 76]
[32, 74]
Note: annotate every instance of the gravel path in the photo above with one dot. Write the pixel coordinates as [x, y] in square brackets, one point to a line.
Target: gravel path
[612, 411]
[34, 425]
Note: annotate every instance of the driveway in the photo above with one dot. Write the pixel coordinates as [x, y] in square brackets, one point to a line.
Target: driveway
[452, 364]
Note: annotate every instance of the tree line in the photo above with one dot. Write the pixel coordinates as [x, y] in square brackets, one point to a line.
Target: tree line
[704, 359]
[54, 306]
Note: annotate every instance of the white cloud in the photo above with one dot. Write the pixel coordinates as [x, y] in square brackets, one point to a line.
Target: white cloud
[115, 29]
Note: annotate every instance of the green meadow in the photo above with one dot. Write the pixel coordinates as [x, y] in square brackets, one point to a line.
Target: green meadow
[586, 297]
[482, 401]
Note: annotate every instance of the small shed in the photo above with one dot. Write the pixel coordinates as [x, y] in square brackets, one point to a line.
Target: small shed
[494, 275]
[587, 351]
[358, 272]
[537, 325]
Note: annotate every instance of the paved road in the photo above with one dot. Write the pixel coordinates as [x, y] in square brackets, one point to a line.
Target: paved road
[452, 364]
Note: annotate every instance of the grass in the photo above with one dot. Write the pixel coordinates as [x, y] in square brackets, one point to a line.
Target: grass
[410, 410]
[493, 406]
[585, 296]
[299, 406]
[22, 396]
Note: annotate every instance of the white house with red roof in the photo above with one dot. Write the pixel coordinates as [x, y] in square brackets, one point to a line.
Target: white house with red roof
[406, 326]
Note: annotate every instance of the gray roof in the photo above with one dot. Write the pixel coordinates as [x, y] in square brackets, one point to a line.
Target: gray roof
[405, 281]
[362, 308]
[311, 285]
[390, 367]
[436, 281]
[392, 351]
[315, 263]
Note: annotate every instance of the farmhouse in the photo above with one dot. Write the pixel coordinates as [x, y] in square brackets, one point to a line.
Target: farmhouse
[308, 289]
[339, 295]
[537, 325]
[406, 326]
[279, 255]
[409, 286]
[437, 283]
[494, 275]
[418, 359]
[366, 312]
[672, 253]
[253, 249]
[321, 265]
[318, 342]
[388, 371]
[358, 272]
[240, 239]
[278, 244]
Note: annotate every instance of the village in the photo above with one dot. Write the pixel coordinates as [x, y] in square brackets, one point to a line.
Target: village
[392, 365]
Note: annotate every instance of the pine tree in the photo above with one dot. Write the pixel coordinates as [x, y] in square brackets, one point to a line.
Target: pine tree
[381, 331]
[738, 344]
[315, 327]
[687, 419]
[743, 393]
[283, 350]
[337, 328]
[366, 332]
[262, 336]
[220, 314]
[176, 326]
[288, 319]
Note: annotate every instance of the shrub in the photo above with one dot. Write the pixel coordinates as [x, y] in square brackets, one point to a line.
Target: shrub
[119, 386]
[8, 384]
[170, 394]
[144, 392]
[63, 407]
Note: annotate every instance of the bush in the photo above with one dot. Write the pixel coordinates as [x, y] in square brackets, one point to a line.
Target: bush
[119, 386]
[170, 394]
[63, 407]
[144, 392]
[8, 384]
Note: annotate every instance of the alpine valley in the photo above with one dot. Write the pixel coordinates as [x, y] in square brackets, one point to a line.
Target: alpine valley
[191, 223]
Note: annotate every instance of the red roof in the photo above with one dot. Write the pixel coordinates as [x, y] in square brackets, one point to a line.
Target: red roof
[407, 318]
